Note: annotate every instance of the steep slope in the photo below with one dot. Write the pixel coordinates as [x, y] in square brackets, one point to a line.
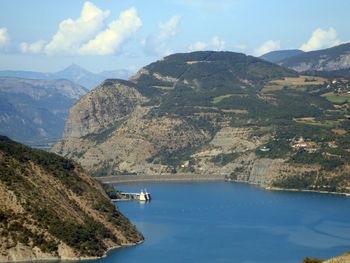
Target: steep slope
[215, 113]
[329, 59]
[36, 110]
[50, 208]
[278, 55]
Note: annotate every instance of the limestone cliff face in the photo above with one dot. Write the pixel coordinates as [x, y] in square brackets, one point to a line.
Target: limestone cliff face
[334, 58]
[51, 209]
[102, 108]
[127, 147]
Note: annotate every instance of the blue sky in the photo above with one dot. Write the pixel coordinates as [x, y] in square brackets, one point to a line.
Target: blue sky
[43, 35]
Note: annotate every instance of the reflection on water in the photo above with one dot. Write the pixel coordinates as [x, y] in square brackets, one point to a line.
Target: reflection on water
[226, 222]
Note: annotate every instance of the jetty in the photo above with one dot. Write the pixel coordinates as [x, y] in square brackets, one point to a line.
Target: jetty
[142, 196]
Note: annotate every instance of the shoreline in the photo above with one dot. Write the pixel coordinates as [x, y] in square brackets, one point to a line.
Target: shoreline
[126, 179]
[78, 259]
[159, 178]
[271, 188]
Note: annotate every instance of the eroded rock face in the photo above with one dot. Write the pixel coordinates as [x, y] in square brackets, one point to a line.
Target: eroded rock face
[102, 108]
[324, 64]
[129, 145]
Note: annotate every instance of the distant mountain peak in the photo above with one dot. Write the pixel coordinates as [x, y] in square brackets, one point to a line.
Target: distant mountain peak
[74, 68]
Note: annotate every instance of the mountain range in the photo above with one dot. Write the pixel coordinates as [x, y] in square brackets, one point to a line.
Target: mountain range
[215, 113]
[33, 111]
[74, 73]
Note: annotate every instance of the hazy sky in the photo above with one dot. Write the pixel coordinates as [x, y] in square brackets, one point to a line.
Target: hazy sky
[42, 35]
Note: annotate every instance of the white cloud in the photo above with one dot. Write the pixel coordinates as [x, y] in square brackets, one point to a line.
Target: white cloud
[33, 48]
[169, 28]
[156, 44]
[218, 44]
[4, 37]
[72, 33]
[109, 41]
[321, 39]
[268, 46]
[88, 34]
[215, 44]
[197, 46]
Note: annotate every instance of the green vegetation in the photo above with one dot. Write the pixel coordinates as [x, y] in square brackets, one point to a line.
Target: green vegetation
[319, 157]
[314, 181]
[277, 149]
[338, 99]
[327, 124]
[225, 158]
[110, 191]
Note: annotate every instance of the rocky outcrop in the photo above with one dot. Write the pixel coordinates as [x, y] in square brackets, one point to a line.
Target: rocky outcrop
[102, 108]
[330, 59]
[341, 259]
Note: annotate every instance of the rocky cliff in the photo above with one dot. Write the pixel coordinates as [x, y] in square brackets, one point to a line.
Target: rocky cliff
[51, 209]
[330, 59]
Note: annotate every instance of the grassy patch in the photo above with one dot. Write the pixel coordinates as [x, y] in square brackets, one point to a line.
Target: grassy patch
[338, 99]
[324, 124]
[293, 82]
[224, 159]
[220, 98]
[163, 87]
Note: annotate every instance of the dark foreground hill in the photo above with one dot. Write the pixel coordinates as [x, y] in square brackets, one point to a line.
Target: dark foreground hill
[50, 208]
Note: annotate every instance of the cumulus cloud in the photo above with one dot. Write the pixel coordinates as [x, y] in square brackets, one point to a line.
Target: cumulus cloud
[215, 44]
[268, 46]
[156, 44]
[198, 46]
[88, 34]
[33, 48]
[4, 37]
[109, 41]
[218, 44]
[169, 28]
[321, 38]
[72, 33]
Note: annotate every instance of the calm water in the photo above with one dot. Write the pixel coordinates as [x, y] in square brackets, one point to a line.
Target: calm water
[228, 222]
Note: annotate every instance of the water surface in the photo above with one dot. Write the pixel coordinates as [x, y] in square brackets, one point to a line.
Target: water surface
[228, 222]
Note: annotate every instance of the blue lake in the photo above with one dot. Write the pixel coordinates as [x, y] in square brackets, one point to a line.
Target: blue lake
[228, 222]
